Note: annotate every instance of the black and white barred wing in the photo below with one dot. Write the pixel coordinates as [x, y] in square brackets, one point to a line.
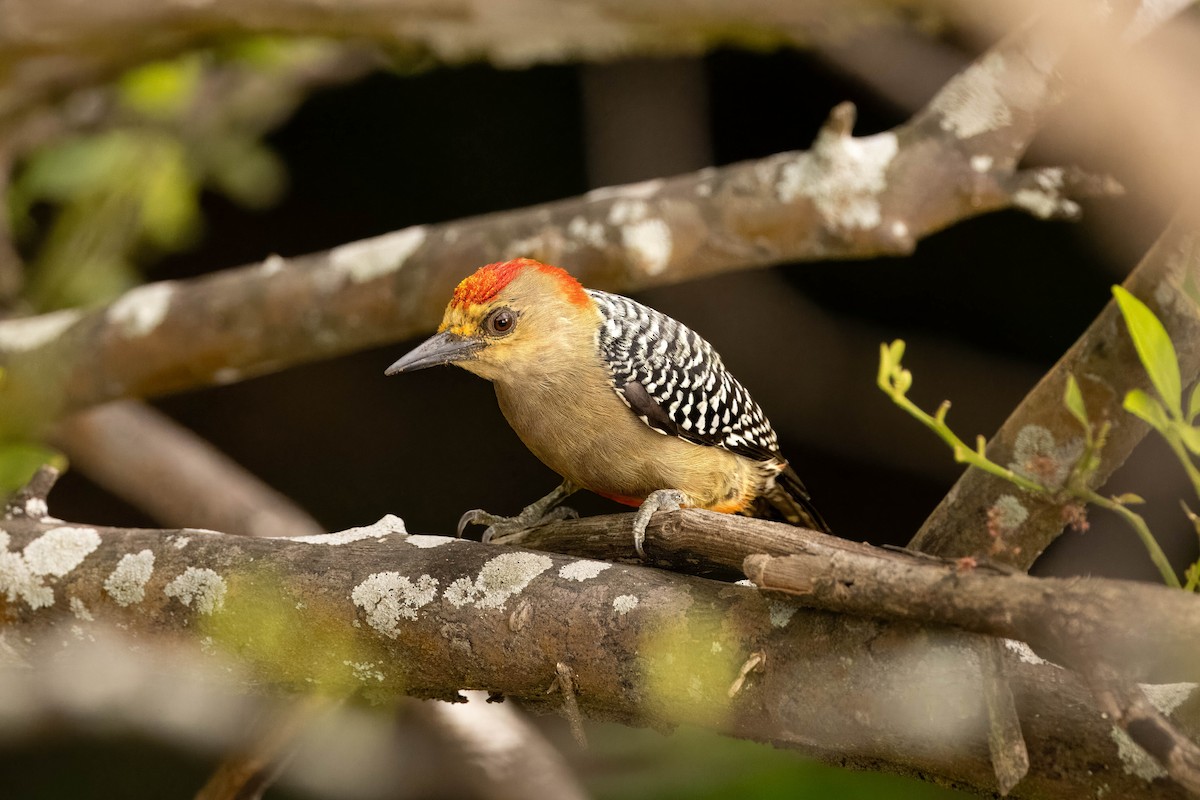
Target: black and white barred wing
[675, 381]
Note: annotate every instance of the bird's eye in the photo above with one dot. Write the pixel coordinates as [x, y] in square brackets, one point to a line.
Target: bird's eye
[501, 322]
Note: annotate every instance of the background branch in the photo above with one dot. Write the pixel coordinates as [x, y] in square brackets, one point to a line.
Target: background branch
[792, 206]
[1040, 436]
[164, 469]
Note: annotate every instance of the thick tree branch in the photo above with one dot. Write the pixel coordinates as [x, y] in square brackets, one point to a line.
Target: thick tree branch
[1043, 440]
[846, 197]
[644, 646]
[1143, 629]
[65, 44]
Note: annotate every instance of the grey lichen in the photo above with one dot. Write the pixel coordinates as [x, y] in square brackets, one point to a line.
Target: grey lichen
[201, 588]
[501, 578]
[388, 597]
[127, 582]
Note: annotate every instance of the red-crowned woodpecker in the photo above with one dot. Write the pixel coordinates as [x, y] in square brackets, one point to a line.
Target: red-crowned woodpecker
[615, 397]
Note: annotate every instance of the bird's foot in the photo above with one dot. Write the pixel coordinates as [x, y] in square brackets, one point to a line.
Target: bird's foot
[500, 528]
[659, 500]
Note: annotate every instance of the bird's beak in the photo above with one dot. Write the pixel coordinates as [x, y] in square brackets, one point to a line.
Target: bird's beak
[444, 348]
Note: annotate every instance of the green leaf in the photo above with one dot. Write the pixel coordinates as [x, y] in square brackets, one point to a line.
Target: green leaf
[1073, 400]
[1154, 348]
[1194, 404]
[162, 89]
[1147, 409]
[1189, 436]
[78, 166]
[1130, 499]
[247, 172]
[170, 212]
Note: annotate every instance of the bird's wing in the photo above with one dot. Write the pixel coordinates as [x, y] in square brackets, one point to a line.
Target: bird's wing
[675, 382]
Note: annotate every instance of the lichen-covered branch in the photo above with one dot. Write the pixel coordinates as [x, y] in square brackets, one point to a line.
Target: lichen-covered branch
[984, 515]
[846, 197]
[390, 613]
[1093, 619]
[64, 44]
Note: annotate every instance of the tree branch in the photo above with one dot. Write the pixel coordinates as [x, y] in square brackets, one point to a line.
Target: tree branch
[846, 197]
[645, 647]
[1042, 439]
[1143, 629]
[175, 476]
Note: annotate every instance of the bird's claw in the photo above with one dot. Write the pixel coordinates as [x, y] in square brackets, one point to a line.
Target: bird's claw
[659, 500]
[500, 528]
[477, 516]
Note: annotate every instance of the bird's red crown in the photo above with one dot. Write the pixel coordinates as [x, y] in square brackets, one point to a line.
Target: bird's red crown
[489, 280]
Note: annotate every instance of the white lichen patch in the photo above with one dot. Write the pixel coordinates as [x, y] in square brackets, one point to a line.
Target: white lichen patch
[372, 258]
[649, 243]
[139, 311]
[781, 612]
[29, 333]
[378, 531]
[36, 508]
[388, 597]
[425, 541]
[982, 163]
[272, 264]
[180, 542]
[1134, 759]
[624, 212]
[200, 588]
[53, 554]
[365, 671]
[582, 570]
[624, 603]
[631, 191]
[542, 246]
[501, 578]
[972, 102]
[1167, 697]
[1037, 456]
[80, 610]
[60, 550]
[590, 233]
[227, 375]
[1026, 654]
[18, 583]
[126, 584]
[1149, 15]
[843, 176]
[1007, 513]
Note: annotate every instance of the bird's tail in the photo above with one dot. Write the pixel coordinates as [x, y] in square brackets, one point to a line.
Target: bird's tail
[789, 500]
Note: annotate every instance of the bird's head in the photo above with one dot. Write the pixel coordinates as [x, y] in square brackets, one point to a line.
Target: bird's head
[506, 318]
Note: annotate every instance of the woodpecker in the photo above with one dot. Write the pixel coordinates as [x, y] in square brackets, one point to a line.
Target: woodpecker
[615, 397]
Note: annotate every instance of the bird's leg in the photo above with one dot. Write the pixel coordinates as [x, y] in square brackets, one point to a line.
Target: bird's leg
[658, 500]
[547, 509]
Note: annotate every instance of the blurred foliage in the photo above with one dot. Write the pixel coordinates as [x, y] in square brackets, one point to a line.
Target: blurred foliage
[689, 667]
[19, 460]
[93, 209]
[694, 764]
[295, 640]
